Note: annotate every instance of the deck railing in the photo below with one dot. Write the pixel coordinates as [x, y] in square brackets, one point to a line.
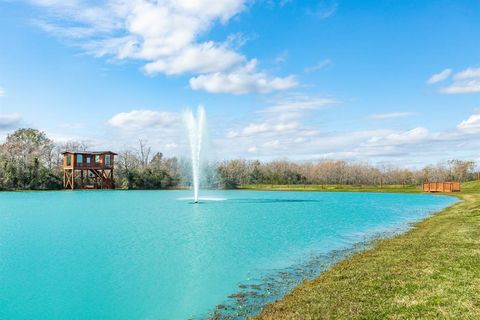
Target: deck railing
[442, 187]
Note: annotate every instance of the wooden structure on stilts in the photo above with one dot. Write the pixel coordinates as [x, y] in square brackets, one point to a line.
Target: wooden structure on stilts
[88, 170]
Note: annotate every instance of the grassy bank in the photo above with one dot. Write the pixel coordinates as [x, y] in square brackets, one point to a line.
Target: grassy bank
[431, 272]
[333, 188]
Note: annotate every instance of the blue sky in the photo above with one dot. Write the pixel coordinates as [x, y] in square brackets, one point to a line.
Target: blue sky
[390, 82]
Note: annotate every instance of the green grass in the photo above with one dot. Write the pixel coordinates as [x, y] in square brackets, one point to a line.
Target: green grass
[333, 188]
[430, 272]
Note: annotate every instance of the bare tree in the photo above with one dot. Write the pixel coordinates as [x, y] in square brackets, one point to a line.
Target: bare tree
[461, 170]
[75, 146]
[144, 152]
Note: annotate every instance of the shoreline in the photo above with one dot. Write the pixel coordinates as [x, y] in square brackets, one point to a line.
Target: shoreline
[255, 295]
[331, 188]
[386, 279]
[335, 188]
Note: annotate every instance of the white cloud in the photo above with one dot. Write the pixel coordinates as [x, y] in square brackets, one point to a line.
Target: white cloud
[273, 137]
[323, 8]
[283, 118]
[255, 128]
[62, 138]
[410, 136]
[420, 145]
[468, 74]
[8, 121]
[242, 80]
[165, 35]
[263, 127]
[3, 93]
[472, 124]
[318, 66]
[140, 30]
[203, 58]
[163, 131]
[143, 119]
[391, 115]
[466, 81]
[459, 87]
[441, 76]
[299, 103]
[279, 130]
[268, 127]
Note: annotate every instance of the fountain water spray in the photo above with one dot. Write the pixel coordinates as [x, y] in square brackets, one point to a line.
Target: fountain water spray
[196, 130]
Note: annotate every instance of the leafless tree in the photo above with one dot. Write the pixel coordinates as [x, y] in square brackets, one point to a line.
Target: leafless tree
[75, 146]
[144, 152]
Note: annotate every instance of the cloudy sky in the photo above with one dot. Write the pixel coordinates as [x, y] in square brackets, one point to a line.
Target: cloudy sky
[384, 81]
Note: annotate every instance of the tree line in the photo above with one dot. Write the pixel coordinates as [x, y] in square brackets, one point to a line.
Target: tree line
[29, 160]
[234, 173]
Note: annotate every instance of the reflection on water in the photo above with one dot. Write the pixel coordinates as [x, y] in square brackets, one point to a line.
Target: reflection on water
[247, 200]
[202, 199]
[273, 200]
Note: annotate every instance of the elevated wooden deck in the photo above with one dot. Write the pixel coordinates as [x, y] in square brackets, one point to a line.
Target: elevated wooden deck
[95, 170]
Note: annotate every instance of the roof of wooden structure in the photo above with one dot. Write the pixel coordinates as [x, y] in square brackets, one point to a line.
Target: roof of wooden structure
[89, 152]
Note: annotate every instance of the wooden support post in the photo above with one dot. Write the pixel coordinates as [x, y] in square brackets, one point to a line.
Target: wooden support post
[69, 179]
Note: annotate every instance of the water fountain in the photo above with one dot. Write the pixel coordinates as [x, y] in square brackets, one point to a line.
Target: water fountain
[196, 134]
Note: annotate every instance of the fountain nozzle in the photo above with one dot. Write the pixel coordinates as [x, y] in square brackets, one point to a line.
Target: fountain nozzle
[196, 201]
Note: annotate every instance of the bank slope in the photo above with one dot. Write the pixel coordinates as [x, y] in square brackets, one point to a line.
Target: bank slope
[430, 272]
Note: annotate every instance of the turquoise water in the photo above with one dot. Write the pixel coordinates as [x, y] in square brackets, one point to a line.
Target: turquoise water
[154, 255]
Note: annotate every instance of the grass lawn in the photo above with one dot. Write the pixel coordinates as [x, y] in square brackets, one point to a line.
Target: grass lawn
[430, 272]
[333, 188]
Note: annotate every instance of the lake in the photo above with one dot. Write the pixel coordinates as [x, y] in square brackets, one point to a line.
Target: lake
[156, 255]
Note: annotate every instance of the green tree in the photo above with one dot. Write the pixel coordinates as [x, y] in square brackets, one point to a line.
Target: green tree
[23, 155]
